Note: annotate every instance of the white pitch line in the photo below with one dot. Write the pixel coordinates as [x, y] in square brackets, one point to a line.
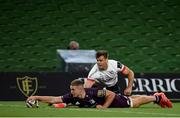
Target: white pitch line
[152, 113]
[10, 105]
[89, 117]
[106, 110]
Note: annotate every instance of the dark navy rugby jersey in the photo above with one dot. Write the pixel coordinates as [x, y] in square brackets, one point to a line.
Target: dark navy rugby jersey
[95, 96]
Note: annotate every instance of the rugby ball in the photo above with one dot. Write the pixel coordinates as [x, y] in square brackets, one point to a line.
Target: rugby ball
[32, 104]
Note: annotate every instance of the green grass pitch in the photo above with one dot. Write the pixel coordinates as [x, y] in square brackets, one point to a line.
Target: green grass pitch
[19, 109]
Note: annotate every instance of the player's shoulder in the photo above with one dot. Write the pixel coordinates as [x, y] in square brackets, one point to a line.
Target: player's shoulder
[91, 90]
[111, 61]
[94, 68]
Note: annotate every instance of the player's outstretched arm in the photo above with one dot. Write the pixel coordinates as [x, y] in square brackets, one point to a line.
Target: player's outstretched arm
[46, 99]
[130, 75]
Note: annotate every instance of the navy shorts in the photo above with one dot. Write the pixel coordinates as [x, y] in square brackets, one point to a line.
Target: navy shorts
[121, 101]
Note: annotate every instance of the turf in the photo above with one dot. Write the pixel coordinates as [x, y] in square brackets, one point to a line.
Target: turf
[18, 109]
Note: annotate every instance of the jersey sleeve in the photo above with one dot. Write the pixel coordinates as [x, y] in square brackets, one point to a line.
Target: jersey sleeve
[67, 98]
[120, 66]
[98, 92]
[100, 95]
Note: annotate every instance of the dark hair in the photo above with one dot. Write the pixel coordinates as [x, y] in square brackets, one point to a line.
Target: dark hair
[101, 53]
[77, 82]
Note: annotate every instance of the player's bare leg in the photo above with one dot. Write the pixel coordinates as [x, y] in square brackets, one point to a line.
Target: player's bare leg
[142, 99]
[158, 98]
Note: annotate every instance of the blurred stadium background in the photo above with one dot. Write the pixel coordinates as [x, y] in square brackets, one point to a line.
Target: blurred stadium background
[143, 34]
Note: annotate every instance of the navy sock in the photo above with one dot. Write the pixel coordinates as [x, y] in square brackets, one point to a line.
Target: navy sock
[158, 98]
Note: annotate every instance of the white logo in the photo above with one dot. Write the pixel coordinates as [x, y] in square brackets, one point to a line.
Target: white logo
[155, 84]
[92, 101]
[77, 103]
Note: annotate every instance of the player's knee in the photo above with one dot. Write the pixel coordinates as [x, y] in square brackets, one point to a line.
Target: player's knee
[136, 105]
[139, 101]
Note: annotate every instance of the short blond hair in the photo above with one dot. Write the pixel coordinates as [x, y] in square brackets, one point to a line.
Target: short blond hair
[77, 82]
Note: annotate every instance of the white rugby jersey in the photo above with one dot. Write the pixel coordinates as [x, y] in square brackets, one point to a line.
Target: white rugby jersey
[109, 77]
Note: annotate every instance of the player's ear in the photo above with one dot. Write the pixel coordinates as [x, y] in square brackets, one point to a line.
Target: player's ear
[107, 59]
[81, 87]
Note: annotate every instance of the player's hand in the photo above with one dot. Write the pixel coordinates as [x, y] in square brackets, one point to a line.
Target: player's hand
[31, 98]
[128, 91]
[99, 107]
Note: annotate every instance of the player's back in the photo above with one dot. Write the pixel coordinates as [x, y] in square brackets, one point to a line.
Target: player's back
[90, 100]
